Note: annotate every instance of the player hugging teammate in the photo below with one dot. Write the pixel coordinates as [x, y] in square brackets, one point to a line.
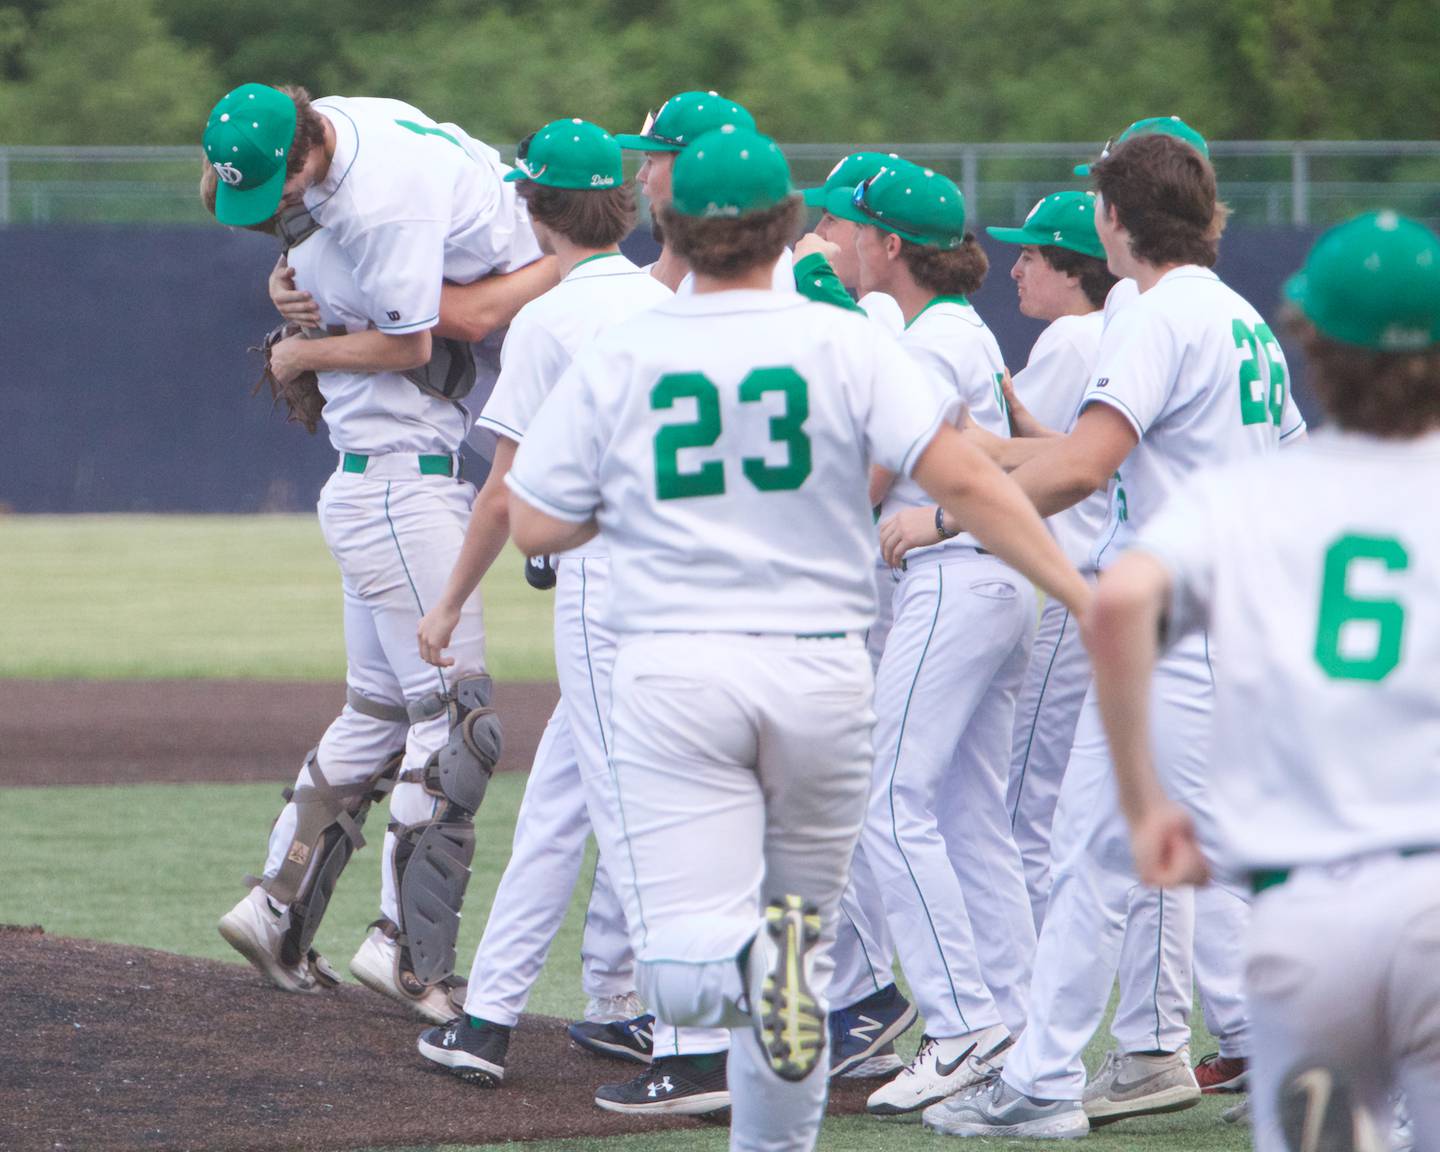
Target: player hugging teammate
[799, 763]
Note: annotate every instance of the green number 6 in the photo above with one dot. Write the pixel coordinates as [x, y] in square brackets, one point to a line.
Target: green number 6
[1338, 608]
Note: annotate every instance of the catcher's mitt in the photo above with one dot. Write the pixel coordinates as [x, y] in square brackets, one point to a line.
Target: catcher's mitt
[302, 395]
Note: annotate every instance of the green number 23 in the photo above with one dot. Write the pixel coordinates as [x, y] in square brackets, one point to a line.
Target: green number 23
[1339, 608]
[709, 479]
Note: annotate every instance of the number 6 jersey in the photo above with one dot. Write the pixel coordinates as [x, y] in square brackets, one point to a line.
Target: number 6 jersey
[723, 441]
[1318, 572]
[1201, 378]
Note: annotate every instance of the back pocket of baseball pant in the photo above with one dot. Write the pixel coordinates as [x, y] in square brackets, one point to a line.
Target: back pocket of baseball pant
[995, 589]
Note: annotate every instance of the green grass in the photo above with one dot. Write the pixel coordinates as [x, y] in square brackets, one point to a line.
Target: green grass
[162, 862]
[130, 597]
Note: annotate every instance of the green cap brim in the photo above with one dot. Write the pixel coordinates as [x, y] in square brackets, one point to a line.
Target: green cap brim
[513, 175]
[241, 209]
[1081, 169]
[816, 197]
[1297, 290]
[633, 143]
[1019, 236]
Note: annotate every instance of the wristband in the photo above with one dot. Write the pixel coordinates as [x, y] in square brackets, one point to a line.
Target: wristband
[940, 525]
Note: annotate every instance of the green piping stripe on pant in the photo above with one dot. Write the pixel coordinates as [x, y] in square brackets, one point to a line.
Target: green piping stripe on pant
[894, 828]
[406, 567]
[1159, 964]
[1035, 720]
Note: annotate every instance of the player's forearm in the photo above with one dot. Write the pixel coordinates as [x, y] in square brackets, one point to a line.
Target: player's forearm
[880, 481]
[368, 351]
[472, 311]
[993, 509]
[1122, 637]
[485, 538]
[1010, 452]
[538, 534]
[1057, 475]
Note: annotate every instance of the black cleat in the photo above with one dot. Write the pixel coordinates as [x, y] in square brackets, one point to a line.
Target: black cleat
[672, 1086]
[632, 1040]
[476, 1054]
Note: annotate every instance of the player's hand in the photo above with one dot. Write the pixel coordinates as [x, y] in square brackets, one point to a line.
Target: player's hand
[296, 306]
[434, 632]
[1167, 851]
[1022, 420]
[912, 528]
[812, 243]
[287, 358]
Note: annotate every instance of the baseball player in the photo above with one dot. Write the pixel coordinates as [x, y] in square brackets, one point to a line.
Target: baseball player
[853, 169]
[569, 173]
[937, 808]
[713, 443]
[1188, 376]
[393, 516]
[1321, 597]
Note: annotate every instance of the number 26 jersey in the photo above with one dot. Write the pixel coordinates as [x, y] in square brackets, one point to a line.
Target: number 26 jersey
[723, 441]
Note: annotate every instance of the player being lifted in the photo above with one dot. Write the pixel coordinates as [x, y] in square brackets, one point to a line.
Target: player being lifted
[1189, 376]
[721, 445]
[1320, 582]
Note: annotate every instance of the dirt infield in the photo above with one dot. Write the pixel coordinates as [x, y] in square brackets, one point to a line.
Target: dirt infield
[201, 731]
[118, 1048]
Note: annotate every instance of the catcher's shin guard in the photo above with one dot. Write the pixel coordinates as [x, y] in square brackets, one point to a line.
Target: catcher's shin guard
[432, 859]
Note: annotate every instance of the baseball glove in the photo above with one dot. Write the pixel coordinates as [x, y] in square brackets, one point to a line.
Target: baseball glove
[302, 395]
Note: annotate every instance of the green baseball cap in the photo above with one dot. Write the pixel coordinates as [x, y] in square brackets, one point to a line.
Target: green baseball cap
[683, 119]
[571, 154]
[853, 170]
[247, 140]
[730, 172]
[1373, 281]
[1063, 220]
[917, 204]
[1163, 125]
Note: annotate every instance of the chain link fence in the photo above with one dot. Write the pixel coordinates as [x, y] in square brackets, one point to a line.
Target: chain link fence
[1274, 183]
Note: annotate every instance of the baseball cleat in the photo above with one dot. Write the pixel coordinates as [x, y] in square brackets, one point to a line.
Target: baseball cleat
[862, 1036]
[942, 1068]
[787, 1017]
[673, 1086]
[256, 930]
[613, 1009]
[1130, 1084]
[1216, 1073]
[632, 1040]
[472, 1052]
[1319, 1113]
[377, 966]
[993, 1108]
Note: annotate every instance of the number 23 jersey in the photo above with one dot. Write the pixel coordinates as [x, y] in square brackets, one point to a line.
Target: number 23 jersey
[1318, 573]
[723, 441]
[1201, 379]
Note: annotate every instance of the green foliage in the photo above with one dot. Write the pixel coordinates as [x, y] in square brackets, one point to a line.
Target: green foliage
[146, 71]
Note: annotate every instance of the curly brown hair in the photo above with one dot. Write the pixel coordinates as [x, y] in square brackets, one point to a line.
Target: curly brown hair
[1393, 395]
[947, 272]
[729, 246]
[1163, 192]
[309, 128]
[591, 218]
[1094, 274]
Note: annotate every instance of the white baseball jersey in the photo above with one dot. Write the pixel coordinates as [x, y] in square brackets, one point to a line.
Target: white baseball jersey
[1122, 294]
[723, 441]
[782, 279]
[1051, 385]
[368, 412]
[415, 203]
[1202, 380]
[883, 309]
[547, 333]
[1320, 578]
[950, 341]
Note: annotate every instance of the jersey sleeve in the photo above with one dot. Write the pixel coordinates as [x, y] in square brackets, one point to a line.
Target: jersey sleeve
[557, 466]
[1292, 423]
[1183, 537]
[1136, 371]
[1053, 380]
[531, 361]
[815, 279]
[399, 268]
[908, 406]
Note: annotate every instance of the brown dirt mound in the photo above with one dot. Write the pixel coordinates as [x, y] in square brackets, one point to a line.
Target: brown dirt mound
[118, 1048]
[200, 731]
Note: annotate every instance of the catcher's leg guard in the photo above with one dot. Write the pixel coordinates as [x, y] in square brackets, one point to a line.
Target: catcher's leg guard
[327, 833]
[432, 859]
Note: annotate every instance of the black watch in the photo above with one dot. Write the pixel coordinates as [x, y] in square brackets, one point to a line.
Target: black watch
[940, 525]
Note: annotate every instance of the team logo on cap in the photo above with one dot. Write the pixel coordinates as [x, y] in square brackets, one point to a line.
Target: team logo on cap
[228, 173]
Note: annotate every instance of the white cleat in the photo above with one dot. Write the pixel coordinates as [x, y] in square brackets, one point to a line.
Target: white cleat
[942, 1068]
[377, 966]
[255, 929]
[995, 1109]
[1129, 1084]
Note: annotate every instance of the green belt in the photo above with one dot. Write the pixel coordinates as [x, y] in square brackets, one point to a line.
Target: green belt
[429, 465]
[1274, 877]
